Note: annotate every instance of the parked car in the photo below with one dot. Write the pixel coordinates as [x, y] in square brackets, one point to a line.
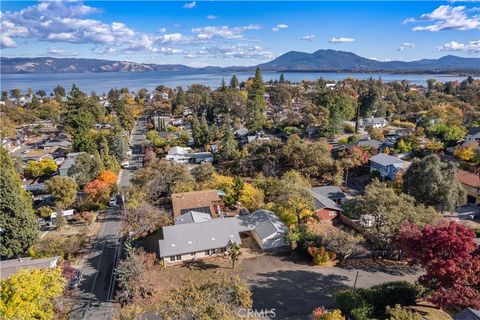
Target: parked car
[112, 202]
[75, 281]
[125, 165]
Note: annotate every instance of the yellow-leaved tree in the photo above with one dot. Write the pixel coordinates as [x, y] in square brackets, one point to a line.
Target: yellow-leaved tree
[30, 294]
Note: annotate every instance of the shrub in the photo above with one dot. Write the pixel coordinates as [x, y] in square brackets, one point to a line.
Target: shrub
[321, 256]
[354, 305]
[400, 313]
[54, 245]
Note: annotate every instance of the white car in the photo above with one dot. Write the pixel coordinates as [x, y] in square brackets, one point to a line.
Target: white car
[125, 165]
[112, 202]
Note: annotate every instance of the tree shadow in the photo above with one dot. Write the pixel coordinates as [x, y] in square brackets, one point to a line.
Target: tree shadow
[294, 294]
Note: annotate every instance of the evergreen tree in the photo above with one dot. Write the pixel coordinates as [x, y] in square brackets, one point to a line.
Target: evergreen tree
[256, 105]
[200, 132]
[282, 78]
[228, 146]
[223, 85]
[18, 225]
[234, 82]
[205, 131]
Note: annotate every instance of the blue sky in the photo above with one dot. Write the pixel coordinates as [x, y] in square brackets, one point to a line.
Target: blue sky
[238, 33]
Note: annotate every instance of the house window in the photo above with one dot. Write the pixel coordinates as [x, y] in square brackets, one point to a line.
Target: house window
[192, 254]
[179, 257]
[172, 258]
[332, 213]
[207, 252]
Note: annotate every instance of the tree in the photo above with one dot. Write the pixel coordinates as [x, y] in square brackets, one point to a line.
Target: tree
[59, 91]
[234, 253]
[389, 210]
[85, 169]
[143, 220]
[289, 197]
[200, 132]
[43, 167]
[16, 93]
[107, 176]
[229, 146]
[234, 82]
[451, 260]
[31, 294]
[135, 274]
[63, 191]
[98, 191]
[464, 153]
[118, 145]
[41, 93]
[256, 104]
[203, 173]
[217, 297]
[250, 197]
[433, 183]
[341, 242]
[18, 224]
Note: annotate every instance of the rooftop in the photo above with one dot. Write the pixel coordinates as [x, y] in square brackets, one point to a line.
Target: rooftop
[9, 267]
[386, 160]
[188, 201]
[468, 178]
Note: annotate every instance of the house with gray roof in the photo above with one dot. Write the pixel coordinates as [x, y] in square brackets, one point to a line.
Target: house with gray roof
[373, 122]
[328, 200]
[196, 235]
[371, 143]
[387, 166]
[9, 267]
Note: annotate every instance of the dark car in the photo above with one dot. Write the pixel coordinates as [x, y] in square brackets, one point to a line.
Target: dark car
[75, 280]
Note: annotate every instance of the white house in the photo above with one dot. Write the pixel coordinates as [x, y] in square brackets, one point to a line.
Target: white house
[373, 122]
[179, 154]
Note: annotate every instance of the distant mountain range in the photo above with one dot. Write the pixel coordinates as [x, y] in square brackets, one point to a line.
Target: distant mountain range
[321, 60]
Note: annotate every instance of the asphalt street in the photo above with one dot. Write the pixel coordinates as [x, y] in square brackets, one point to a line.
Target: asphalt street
[94, 298]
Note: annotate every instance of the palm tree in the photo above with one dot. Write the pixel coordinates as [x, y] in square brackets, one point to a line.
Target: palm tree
[234, 252]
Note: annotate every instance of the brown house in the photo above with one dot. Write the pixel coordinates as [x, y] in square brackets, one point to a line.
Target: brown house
[206, 201]
[471, 183]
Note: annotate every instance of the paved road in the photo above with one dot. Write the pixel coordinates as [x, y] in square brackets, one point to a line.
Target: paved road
[95, 294]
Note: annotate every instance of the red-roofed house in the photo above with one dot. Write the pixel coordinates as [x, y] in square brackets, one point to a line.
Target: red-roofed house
[471, 183]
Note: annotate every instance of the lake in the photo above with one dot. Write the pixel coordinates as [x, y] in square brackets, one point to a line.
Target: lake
[103, 82]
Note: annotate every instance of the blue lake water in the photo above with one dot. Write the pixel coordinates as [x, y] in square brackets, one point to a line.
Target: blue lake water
[103, 82]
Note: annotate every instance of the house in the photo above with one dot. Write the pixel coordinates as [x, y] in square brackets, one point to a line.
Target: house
[9, 267]
[201, 157]
[468, 314]
[373, 122]
[179, 154]
[191, 241]
[196, 236]
[65, 213]
[242, 134]
[473, 134]
[371, 143]
[471, 183]
[387, 166]
[328, 200]
[258, 136]
[206, 201]
[266, 228]
[68, 163]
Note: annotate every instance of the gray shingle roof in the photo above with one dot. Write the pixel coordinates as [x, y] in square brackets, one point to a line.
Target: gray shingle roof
[370, 143]
[331, 192]
[264, 222]
[322, 201]
[473, 130]
[9, 267]
[193, 217]
[197, 237]
[385, 159]
[468, 314]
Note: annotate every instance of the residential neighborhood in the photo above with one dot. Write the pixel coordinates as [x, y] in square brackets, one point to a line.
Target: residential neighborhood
[226, 174]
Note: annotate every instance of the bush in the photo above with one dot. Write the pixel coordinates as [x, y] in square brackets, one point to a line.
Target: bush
[354, 305]
[54, 245]
[321, 256]
[374, 301]
[400, 313]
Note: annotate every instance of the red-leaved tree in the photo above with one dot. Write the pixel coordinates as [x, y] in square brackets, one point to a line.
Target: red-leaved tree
[451, 260]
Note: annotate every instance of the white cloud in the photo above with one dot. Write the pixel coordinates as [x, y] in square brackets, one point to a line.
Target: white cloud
[310, 37]
[212, 17]
[55, 51]
[280, 26]
[162, 30]
[380, 59]
[446, 17]
[406, 45]
[225, 32]
[190, 5]
[342, 40]
[469, 47]
[242, 51]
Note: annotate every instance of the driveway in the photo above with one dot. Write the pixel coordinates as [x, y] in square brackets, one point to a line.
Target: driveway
[295, 289]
